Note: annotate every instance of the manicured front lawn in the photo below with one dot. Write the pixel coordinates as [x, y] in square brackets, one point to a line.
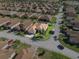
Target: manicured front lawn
[65, 43]
[47, 34]
[45, 54]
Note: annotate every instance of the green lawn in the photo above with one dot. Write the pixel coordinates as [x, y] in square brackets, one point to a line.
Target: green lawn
[50, 55]
[47, 34]
[65, 43]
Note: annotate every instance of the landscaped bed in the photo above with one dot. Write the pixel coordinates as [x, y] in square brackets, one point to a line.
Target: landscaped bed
[45, 54]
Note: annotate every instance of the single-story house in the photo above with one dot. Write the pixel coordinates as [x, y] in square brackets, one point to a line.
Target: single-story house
[34, 15]
[26, 54]
[41, 26]
[20, 14]
[6, 53]
[3, 21]
[12, 23]
[44, 18]
[37, 27]
[24, 25]
[75, 24]
[70, 11]
[74, 36]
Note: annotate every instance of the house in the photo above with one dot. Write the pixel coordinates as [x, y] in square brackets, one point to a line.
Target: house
[70, 11]
[75, 24]
[32, 29]
[44, 18]
[73, 36]
[5, 54]
[34, 16]
[12, 23]
[20, 14]
[28, 53]
[41, 26]
[24, 25]
[3, 21]
[37, 27]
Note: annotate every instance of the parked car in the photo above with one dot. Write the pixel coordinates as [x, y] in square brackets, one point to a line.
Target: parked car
[60, 47]
[77, 56]
[55, 38]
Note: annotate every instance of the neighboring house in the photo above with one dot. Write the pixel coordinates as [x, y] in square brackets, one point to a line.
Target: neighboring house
[3, 21]
[12, 23]
[44, 18]
[24, 25]
[75, 24]
[34, 16]
[70, 12]
[20, 14]
[28, 53]
[74, 36]
[6, 53]
[74, 40]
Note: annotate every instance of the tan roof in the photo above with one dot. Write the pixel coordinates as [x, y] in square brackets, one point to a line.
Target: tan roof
[76, 23]
[5, 54]
[20, 14]
[41, 26]
[27, 23]
[2, 43]
[26, 54]
[45, 17]
[3, 21]
[37, 26]
[74, 34]
[13, 22]
[32, 29]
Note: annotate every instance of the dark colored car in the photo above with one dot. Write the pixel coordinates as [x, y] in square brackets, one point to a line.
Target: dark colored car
[60, 47]
[55, 38]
